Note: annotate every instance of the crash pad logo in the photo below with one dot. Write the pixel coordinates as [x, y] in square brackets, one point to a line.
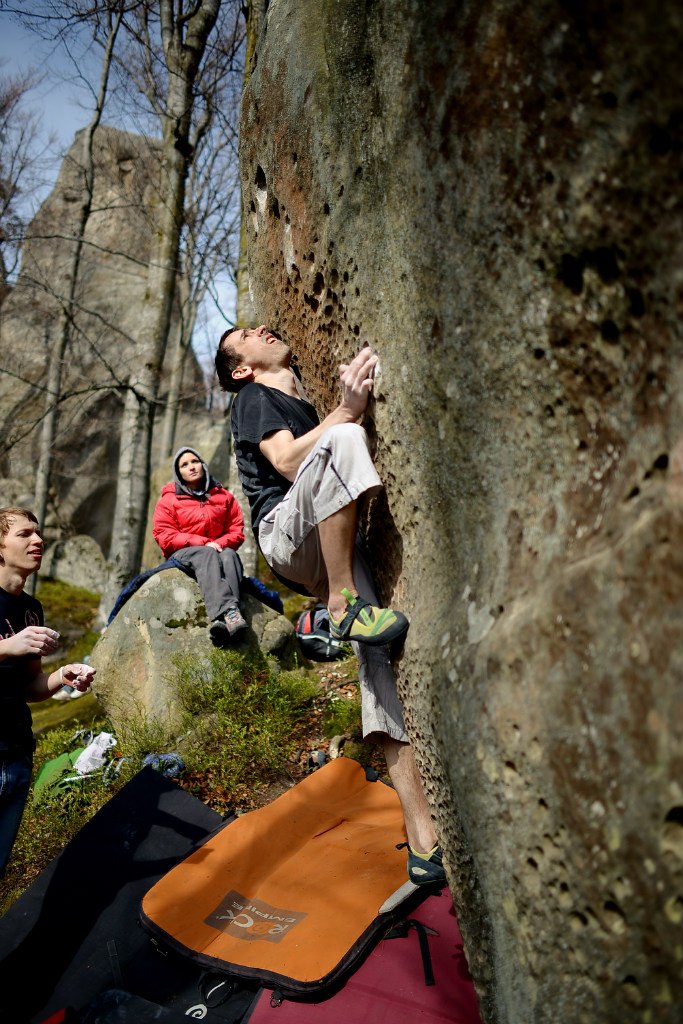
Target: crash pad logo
[248, 919]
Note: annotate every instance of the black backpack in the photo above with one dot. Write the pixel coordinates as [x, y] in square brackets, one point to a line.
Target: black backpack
[313, 631]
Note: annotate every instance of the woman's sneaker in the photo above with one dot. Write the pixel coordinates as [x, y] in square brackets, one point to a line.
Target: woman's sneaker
[218, 631]
[235, 621]
[366, 624]
[224, 629]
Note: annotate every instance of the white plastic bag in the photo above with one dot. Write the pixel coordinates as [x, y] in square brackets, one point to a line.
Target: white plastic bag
[95, 754]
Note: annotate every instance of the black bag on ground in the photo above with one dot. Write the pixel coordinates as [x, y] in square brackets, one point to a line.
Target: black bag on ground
[74, 933]
[313, 632]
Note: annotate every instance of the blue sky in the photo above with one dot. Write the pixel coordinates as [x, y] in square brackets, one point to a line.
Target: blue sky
[63, 105]
[57, 97]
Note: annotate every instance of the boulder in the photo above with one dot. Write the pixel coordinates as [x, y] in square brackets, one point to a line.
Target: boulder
[78, 561]
[164, 618]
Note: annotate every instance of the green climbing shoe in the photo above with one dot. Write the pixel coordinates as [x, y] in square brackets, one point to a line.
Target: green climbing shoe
[366, 624]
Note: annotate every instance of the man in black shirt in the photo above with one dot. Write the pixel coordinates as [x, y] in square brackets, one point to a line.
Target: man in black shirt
[303, 479]
[23, 641]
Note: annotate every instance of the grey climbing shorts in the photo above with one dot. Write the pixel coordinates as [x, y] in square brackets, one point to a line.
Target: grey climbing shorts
[336, 472]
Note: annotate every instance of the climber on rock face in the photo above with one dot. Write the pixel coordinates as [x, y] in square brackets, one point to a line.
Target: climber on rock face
[304, 480]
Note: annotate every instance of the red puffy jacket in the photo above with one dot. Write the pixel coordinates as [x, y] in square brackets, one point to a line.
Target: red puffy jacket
[180, 521]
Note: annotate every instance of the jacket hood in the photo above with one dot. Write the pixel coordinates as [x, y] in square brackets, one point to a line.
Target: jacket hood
[180, 486]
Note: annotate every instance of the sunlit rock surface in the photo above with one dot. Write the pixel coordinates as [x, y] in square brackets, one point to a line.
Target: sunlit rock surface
[491, 196]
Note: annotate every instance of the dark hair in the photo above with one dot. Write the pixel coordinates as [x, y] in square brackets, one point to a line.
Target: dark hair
[227, 360]
[8, 515]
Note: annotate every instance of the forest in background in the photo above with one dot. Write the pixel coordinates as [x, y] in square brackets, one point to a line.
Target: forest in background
[170, 74]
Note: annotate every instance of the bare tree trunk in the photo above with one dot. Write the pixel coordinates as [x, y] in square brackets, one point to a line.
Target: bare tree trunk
[256, 12]
[245, 312]
[136, 428]
[47, 435]
[246, 317]
[183, 58]
[174, 396]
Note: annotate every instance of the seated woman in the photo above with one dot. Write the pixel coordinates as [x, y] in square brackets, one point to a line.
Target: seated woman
[199, 523]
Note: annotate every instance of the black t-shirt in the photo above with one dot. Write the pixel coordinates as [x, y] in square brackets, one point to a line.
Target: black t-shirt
[257, 412]
[16, 727]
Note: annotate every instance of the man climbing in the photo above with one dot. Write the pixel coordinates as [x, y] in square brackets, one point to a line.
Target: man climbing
[303, 479]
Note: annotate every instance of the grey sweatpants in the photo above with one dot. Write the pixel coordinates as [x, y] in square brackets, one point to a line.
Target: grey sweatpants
[336, 472]
[218, 573]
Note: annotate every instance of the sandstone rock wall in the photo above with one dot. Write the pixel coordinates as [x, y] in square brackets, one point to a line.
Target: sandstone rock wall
[103, 349]
[490, 194]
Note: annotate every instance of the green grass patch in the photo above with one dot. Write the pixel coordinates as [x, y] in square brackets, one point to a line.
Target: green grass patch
[81, 648]
[50, 824]
[241, 715]
[66, 607]
[343, 717]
